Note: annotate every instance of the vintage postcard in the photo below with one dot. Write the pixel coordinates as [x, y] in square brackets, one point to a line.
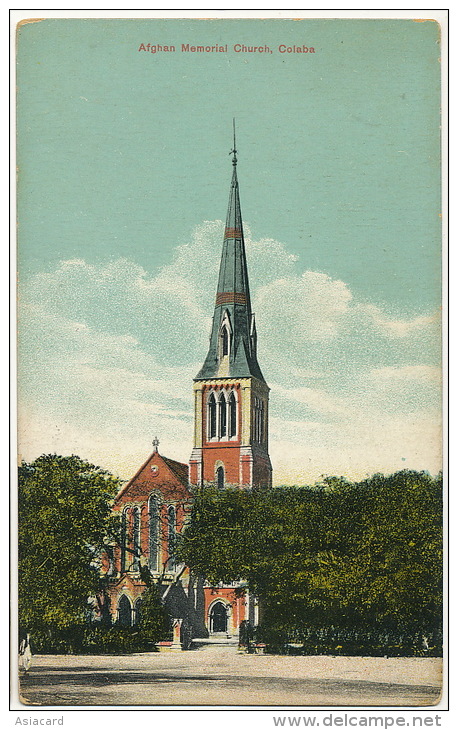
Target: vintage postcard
[230, 364]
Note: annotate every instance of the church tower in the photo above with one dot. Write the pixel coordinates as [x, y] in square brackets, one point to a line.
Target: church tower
[231, 397]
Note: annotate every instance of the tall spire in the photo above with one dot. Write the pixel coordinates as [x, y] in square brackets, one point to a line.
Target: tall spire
[232, 350]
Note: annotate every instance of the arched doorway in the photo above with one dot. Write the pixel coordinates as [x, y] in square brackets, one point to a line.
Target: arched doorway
[218, 618]
[124, 612]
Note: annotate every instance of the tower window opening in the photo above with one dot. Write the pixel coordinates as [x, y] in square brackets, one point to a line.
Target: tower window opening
[212, 416]
[255, 419]
[222, 415]
[224, 342]
[232, 415]
[258, 421]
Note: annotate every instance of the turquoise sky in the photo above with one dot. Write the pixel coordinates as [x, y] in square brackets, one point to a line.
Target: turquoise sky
[124, 174]
[123, 152]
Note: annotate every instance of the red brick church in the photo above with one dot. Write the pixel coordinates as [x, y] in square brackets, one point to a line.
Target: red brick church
[231, 401]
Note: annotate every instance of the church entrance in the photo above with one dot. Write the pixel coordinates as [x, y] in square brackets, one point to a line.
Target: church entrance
[124, 612]
[218, 618]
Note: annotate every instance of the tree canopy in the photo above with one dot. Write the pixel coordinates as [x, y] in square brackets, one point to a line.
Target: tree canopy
[340, 553]
[64, 521]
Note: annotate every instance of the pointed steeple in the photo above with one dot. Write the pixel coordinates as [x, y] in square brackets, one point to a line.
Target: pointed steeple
[232, 350]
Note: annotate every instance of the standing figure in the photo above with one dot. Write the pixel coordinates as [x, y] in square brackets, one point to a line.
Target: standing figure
[25, 654]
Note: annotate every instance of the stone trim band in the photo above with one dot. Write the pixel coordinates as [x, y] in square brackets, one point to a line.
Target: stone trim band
[233, 233]
[230, 298]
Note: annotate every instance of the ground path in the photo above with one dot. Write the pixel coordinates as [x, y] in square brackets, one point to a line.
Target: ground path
[218, 675]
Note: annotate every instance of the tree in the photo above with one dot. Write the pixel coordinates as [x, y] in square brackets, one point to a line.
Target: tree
[154, 619]
[399, 571]
[64, 522]
[353, 556]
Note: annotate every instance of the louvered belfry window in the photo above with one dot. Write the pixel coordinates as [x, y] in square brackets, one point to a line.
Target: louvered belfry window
[212, 416]
[232, 415]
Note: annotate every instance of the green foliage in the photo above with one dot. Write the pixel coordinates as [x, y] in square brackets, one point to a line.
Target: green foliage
[350, 556]
[91, 639]
[376, 641]
[154, 621]
[64, 521]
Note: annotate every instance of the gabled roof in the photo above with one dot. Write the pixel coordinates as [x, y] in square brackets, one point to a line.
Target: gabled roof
[181, 470]
[156, 474]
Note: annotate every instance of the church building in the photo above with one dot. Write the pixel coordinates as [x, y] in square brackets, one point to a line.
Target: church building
[230, 449]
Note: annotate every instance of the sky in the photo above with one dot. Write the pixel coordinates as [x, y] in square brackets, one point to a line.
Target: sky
[123, 183]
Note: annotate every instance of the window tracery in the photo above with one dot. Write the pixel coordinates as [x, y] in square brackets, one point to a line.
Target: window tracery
[222, 415]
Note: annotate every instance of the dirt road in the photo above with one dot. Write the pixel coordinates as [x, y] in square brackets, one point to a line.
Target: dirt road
[218, 675]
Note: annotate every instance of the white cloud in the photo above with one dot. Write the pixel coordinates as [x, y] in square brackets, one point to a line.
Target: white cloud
[318, 401]
[368, 441]
[414, 373]
[108, 353]
[397, 327]
[313, 306]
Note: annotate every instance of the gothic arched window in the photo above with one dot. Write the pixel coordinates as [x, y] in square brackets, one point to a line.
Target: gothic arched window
[258, 420]
[255, 419]
[153, 534]
[171, 536]
[225, 331]
[212, 416]
[136, 539]
[220, 477]
[224, 342]
[222, 404]
[232, 415]
[124, 538]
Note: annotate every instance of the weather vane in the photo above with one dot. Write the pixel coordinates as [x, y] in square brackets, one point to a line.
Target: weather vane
[234, 150]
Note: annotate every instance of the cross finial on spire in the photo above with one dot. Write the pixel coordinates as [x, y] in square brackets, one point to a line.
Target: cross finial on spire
[155, 444]
[234, 150]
